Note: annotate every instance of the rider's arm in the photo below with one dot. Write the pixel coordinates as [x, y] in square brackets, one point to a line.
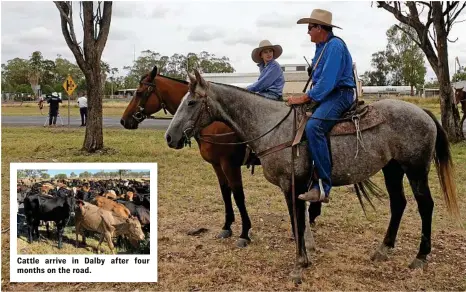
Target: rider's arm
[331, 72]
[272, 72]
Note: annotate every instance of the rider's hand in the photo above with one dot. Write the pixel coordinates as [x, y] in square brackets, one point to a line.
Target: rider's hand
[309, 71]
[298, 100]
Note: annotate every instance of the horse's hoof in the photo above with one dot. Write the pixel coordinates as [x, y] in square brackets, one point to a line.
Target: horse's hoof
[418, 264]
[381, 254]
[242, 242]
[225, 234]
[297, 276]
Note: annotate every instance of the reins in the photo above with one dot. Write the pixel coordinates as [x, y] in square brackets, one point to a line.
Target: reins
[248, 141]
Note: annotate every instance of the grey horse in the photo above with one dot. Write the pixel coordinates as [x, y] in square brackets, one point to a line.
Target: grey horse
[405, 144]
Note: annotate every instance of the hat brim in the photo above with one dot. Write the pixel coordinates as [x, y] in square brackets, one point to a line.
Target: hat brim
[256, 53]
[315, 21]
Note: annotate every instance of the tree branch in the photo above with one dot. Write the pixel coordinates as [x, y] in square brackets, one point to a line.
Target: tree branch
[395, 11]
[451, 18]
[70, 37]
[425, 3]
[450, 6]
[65, 9]
[413, 38]
[104, 26]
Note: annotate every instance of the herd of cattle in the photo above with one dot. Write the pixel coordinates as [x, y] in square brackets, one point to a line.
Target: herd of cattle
[111, 208]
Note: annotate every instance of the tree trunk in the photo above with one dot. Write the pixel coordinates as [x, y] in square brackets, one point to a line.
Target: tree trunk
[94, 139]
[412, 90]
[450, 115]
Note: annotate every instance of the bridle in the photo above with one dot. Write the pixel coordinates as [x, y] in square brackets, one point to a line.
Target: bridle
[205, 108]
[139, 115]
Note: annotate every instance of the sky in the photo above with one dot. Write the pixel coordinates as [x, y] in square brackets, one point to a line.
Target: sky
[224, 28]
[78, 171]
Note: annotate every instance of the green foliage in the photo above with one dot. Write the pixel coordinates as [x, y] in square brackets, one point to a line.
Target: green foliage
[45, 175]
[401, 63]
[406, 57]
[61, 176]
[459, 75]
[85, 174]
[16, 73]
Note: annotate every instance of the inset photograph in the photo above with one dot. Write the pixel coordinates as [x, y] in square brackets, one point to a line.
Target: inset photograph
[83, 211]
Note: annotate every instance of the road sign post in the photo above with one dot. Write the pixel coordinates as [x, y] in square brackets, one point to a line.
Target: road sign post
[69, 87]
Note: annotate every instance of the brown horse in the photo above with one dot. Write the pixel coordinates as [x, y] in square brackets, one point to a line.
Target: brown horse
[460, 97]
[156, 92]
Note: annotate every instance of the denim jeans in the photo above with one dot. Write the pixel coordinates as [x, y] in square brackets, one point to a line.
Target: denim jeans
[271, 96]
[334, 105]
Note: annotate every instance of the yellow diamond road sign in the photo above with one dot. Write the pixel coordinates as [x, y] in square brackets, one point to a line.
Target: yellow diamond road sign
[69, 85]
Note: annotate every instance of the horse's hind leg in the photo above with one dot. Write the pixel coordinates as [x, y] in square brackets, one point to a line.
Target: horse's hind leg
[226, 195]
[420, 186]
[393, 174]
[233, 174]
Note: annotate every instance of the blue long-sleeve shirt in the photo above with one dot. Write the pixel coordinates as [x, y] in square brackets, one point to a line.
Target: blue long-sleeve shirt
[335, 69]
[271, 79]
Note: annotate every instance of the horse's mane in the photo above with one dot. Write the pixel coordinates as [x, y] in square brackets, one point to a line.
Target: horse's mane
[174, 79]
[171, 78]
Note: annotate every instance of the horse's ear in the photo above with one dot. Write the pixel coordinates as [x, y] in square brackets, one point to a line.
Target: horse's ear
[153, 73]
[199, 78]
[192, 78]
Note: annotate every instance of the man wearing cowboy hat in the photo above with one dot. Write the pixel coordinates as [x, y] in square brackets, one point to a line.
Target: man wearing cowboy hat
[271, 80]
[332, 90]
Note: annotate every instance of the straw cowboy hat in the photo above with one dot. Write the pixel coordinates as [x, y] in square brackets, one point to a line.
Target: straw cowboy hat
[266, 44]
[319, 16]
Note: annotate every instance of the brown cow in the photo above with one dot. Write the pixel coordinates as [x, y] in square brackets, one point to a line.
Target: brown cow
[111, 206]
[110, 194]
[460, 97]
[93, 218]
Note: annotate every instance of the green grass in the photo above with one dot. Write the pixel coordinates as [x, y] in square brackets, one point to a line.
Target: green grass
[189, 197]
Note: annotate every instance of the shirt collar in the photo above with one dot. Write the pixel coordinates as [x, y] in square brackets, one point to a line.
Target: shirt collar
[329, 35]
[262, 66]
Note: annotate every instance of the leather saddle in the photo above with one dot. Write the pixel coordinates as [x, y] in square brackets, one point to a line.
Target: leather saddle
[358, 117]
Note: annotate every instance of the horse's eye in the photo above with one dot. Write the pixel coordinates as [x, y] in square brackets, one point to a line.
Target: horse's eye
[191, 102]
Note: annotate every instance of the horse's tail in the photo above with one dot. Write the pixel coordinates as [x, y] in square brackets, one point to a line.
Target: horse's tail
[445, 169]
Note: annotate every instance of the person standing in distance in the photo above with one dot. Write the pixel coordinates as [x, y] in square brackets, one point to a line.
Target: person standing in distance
[82, 103]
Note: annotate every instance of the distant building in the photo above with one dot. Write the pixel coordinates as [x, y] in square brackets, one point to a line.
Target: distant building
[295, 78]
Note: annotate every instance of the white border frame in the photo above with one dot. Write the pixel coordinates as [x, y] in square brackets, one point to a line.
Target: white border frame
[147, 273]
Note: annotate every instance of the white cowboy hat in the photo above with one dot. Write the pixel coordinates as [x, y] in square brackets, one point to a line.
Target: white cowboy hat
[265, 44]
[319, 16]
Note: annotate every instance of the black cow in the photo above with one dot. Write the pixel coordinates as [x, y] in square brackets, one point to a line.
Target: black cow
[142, 213]
[57, 209]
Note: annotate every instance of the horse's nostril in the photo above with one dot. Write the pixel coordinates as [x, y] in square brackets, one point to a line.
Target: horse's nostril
[169, 138]
[122, 122]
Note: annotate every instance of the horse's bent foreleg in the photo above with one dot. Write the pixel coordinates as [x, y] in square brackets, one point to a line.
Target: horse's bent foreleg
[393, 174]
[233, 174]
[226, 195]
[420, 186]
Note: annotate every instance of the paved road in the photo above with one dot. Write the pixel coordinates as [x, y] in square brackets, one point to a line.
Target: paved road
[112, 122]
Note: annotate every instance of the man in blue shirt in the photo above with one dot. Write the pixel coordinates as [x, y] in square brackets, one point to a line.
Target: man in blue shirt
[332, 89]
[271, 80]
